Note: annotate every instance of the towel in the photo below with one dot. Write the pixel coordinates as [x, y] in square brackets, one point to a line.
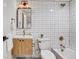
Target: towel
[10, 41]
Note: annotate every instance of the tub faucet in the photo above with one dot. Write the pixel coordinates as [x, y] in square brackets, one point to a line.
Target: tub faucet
[64, 47]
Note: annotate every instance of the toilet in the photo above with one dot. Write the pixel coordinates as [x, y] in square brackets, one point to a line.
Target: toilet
[45, 47]
[47, 54]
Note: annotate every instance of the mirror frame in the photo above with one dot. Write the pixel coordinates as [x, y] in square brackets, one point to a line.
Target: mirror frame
[17, 26]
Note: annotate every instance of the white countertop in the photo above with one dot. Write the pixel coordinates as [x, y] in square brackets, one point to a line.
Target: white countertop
[12, 35]
[21, 36]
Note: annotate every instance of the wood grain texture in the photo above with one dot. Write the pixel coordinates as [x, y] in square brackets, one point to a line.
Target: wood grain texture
[22, 46]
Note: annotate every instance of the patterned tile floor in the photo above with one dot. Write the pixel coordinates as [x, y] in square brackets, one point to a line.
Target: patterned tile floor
[25, 58]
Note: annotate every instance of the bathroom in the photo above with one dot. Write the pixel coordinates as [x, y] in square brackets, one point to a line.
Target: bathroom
[52, 29]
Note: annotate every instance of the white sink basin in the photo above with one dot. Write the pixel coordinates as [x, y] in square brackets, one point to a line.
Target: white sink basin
[21, 36]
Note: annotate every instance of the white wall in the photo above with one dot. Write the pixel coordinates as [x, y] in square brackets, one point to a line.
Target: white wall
[60, 24]
[6, 53]
[48, 18]
[52, 20]
[9, 11]
[73, 24]
[5, 56]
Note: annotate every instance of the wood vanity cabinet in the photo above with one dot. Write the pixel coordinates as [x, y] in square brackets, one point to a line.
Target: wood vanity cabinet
[22, 46]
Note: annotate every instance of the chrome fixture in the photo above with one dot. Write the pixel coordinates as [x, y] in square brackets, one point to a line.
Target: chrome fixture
[12, 23]
[62, 4]
[23, 32]
[37, 50]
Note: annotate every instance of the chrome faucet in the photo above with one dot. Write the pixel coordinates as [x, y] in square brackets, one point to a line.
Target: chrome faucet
[23, 32]
[38, 49]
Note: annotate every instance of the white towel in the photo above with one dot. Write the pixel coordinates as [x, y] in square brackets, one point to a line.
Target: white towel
[9, 44]
[10, 41]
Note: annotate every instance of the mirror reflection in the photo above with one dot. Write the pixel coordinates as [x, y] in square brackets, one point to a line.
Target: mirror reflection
[23, 18]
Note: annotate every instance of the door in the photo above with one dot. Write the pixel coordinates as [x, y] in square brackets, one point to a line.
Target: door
[27, 47]
[16, 47]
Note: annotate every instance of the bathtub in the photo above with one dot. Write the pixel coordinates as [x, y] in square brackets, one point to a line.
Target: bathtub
[67, 54]
[47, 54]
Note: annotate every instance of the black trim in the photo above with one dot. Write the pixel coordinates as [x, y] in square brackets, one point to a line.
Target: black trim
[5, 38]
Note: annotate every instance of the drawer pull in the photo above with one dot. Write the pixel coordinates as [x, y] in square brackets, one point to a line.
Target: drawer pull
[39, 41]
[19, 40]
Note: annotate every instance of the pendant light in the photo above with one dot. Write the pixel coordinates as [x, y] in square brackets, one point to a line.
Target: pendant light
[24, 4]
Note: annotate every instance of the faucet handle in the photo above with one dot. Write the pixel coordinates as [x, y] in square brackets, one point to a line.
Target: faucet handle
[23, 32]
[64, 47]
[33, 44]
[39, 41]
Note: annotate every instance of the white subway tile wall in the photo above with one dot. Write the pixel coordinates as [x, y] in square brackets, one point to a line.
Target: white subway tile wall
[73, 25]
[52, 20]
